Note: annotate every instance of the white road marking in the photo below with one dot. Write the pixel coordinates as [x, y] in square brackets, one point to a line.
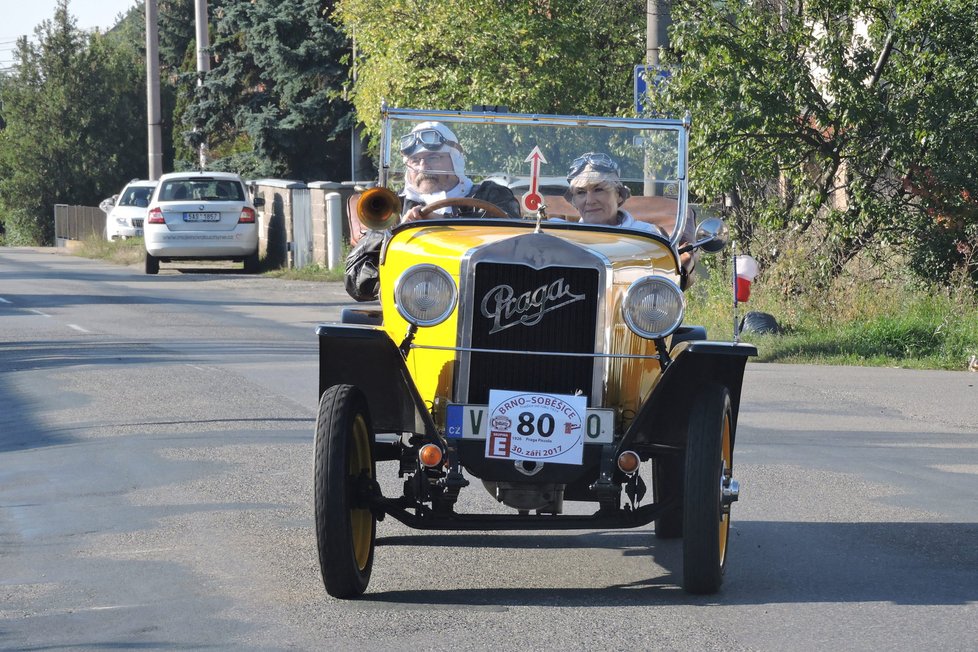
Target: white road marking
[78, 328]
[2, 300]
[38, 312]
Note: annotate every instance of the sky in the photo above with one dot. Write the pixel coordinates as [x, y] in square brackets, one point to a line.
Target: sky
[20, 17]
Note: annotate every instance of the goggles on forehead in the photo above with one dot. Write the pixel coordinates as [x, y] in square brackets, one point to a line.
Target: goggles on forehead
[429, 139]
[597, 162]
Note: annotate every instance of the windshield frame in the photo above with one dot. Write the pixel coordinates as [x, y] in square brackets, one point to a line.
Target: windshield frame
[390, 115]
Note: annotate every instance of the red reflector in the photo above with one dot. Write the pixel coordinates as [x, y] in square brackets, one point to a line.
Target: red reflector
[247, 216]
[155, 217]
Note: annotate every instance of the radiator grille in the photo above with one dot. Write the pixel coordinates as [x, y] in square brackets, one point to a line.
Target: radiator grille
[518, 308]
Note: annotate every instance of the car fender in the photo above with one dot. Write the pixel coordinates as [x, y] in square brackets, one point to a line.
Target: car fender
[663, 417]
[365, 356]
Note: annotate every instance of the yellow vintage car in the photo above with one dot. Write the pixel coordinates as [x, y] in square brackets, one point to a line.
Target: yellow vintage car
[540, 357]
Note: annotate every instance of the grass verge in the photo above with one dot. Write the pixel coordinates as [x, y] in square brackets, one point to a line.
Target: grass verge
[879, 324]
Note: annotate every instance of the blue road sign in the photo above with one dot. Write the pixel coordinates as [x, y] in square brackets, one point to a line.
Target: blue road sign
[646, 76]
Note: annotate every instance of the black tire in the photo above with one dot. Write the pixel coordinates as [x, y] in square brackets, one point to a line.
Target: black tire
[667, 482]
[152, 264]
[251, 263]
[345, 533]
[709, 458]
[760, 322]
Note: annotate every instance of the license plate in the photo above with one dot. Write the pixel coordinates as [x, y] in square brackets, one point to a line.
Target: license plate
[139, 231]
[471, 422]
[201, 217]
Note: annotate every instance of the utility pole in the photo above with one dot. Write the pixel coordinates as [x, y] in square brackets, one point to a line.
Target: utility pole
[203, 61]
[656, 22]
[153, 111]
[652, 33]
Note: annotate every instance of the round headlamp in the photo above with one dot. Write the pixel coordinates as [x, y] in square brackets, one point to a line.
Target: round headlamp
[654, 307]
[425, 295]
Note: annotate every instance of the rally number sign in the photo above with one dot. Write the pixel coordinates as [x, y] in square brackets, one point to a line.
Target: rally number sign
[537, 427]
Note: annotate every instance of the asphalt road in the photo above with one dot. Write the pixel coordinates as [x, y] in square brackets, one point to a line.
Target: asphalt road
[156, 479]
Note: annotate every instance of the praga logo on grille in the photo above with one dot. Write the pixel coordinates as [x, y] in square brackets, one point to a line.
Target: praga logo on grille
[506, 309]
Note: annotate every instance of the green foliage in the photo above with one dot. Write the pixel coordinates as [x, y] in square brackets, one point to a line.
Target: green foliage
[852, 321]
[794, 103]
[534, 56]
[74, 111]
[272, 102]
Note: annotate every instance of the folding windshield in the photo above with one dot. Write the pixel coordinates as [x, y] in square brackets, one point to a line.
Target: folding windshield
[527, 152]
[201, 189]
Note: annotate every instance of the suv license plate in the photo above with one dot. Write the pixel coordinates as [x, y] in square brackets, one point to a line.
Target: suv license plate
[470, 422]
[201, 217]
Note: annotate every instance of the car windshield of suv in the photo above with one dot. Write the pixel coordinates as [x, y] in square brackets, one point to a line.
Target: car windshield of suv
[201, 189]
[135, 197]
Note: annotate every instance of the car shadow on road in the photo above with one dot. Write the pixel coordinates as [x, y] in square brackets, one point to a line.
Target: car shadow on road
[769, 563]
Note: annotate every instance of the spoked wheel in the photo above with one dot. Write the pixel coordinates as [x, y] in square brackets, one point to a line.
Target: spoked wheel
[346, 529]
[709, 491]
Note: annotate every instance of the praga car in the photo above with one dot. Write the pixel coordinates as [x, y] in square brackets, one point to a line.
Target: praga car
[537, 358]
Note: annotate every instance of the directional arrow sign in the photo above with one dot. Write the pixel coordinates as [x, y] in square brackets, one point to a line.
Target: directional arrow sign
[533, 198]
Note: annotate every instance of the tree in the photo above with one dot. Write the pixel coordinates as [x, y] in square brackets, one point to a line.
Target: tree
[534, 56]
[814, 118]
[75, 129]
[272, 103]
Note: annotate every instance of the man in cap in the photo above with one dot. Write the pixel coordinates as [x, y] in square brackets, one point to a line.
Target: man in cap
[434, 170]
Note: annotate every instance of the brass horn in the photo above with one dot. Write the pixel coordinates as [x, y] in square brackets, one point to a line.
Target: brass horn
[378, 208]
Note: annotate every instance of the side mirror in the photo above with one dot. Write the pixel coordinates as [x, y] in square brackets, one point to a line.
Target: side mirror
[259, 202]
[711, 235]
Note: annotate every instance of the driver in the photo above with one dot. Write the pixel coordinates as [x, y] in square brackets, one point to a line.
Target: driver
[435, 169]
[434, 164]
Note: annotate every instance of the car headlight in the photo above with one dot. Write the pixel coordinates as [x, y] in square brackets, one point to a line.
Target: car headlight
[425, 295]
[122, 221]
[654, 307]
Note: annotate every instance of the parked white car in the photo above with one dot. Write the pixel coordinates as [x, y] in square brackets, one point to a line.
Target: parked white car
[201, 216]
[124, 217]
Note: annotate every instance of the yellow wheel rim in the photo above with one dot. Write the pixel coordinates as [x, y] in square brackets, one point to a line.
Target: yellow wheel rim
[725, 474]
[361, 520]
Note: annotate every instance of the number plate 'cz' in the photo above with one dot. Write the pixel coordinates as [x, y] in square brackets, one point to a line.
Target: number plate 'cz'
[471, 422]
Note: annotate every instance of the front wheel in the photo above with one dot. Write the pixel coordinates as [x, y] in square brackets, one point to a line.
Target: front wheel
[706, 504]
[346, 529]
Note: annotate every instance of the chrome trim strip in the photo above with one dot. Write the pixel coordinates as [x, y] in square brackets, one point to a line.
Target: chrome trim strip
[550, 353]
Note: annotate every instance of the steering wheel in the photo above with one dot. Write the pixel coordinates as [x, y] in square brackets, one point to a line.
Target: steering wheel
[471, 202]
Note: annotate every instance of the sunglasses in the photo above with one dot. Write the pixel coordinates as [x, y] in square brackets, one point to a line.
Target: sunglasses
[429, 139]
[598, 162]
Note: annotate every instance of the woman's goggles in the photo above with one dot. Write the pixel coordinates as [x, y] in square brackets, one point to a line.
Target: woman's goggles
[429, 139]
[597, 162]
